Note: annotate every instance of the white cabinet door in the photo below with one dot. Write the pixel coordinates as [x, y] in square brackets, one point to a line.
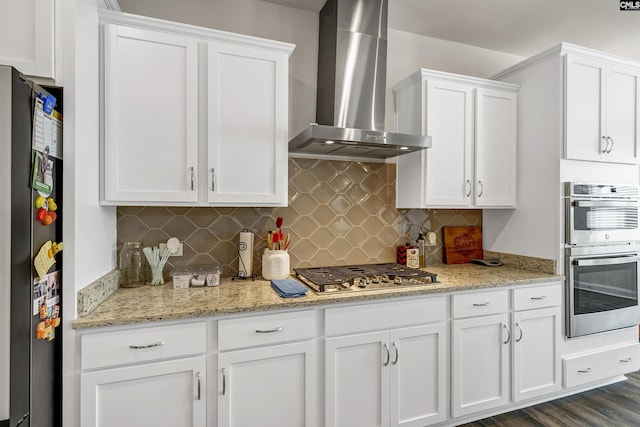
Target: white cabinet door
[418, 366]
[27, 36]
[601, 110]
[150, 116]
[247, 125]
[268, 386]
[622, 114]
[584, 125]
[160, 394]
[480, 363]
[495, 177]
[357, 380]
[449, 161]
[536, 354]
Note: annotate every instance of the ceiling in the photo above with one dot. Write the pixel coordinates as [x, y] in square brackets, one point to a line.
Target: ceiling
[518, 27]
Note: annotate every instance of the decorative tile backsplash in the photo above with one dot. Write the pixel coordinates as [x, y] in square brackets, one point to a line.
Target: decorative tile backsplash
[339, 213]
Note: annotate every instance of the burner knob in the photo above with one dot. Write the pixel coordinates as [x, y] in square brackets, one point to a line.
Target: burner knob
[397, 280]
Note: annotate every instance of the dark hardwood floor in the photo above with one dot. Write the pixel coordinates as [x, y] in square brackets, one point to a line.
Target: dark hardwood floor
[616, 405]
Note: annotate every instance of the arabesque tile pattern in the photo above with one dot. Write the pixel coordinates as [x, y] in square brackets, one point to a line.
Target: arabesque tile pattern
[339, 213]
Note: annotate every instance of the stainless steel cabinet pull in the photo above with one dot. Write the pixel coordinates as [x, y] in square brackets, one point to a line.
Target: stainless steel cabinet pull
[199, 386]
[268, 331]
[397, 353]
[606, 147]
[191, 170]
[481, 188]
[155, 344]
[508, 334]
[520, 328]
[539, 298]
[628, 359]
[386, 348]
[584, 371]
[224, 381]
[610, 148]
[484, 304]
[468, 186]
[213, 179]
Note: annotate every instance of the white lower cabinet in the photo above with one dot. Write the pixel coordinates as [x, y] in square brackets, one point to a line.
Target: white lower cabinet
[160, 394]
[594, 366]
[270, 386]
[536, 356]
[152, 376]
[265, 379]
[480, 363]
[492, 355]
[388, 363]
[393, 377]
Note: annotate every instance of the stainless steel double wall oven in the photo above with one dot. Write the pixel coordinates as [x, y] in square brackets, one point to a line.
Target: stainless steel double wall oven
[602, 256]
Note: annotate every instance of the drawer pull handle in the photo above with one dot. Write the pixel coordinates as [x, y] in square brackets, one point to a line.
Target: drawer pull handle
[224, 381]
[199, 386]
[628, 359]
[483, 304]
[268, 331]
[386, 347]
[584, 371]
[155, 344]
[539, 298]
[395, 346]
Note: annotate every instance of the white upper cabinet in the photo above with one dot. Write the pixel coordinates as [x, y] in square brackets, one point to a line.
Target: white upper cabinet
[28, 36]
[247, 124]
[472, 160]
[495, 183]
[150, 116]
[601, 110]
[192, 116]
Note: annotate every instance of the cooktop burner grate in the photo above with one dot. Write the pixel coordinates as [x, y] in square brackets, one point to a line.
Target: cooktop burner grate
[366, 276]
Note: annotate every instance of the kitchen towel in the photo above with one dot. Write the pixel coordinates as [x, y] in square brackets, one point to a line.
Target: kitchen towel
[288, 288]
[245, 254]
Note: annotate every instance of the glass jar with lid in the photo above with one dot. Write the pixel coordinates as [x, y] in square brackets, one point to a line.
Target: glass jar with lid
[131, 265]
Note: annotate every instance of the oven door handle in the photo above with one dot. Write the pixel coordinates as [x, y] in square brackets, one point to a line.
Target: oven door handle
[607, 203]
[606, 261]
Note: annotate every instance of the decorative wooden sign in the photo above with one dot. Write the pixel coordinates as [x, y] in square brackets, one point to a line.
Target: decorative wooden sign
[462, 244]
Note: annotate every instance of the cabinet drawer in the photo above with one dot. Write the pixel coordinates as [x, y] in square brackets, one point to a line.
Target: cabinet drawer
[387, 315]
[265, 330]
[537, 297]
[141, 345]
[597, 366]
[480, 303]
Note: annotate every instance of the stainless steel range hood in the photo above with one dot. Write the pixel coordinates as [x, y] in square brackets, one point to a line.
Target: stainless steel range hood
[352, 58]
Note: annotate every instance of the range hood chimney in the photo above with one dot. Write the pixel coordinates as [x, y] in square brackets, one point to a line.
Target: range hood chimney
[352, 74]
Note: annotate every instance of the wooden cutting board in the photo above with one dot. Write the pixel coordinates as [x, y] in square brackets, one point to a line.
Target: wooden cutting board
[462, 244]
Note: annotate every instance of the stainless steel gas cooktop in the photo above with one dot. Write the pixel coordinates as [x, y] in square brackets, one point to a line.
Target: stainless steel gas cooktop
[362, 277]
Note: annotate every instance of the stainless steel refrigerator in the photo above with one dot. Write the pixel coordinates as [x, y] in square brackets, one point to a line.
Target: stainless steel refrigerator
[30, 368]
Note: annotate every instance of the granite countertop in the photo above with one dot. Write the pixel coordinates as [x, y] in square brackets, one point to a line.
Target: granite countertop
[152, 303]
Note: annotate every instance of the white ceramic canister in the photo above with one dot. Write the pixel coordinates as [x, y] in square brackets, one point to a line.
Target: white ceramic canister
[275, 265]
